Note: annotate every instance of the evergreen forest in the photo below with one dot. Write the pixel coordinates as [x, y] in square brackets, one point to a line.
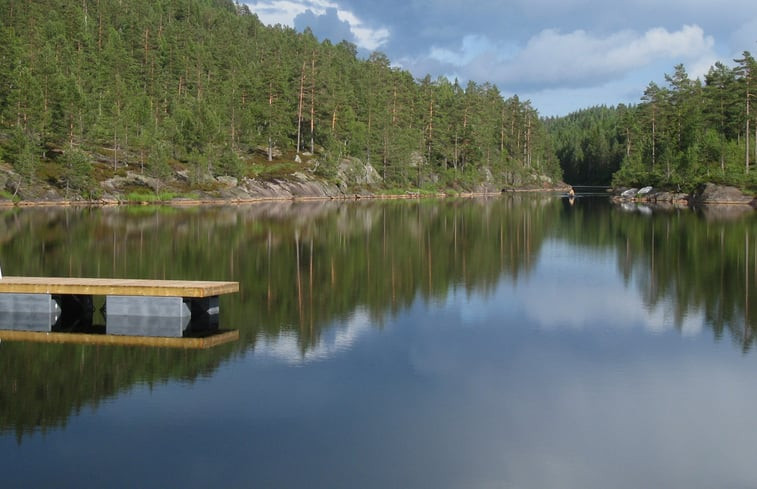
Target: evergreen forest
[681, 134]
[92, 89]
[201, 89]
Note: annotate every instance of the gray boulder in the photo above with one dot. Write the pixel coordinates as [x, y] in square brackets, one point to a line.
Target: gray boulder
[711, 193]
[352, 171]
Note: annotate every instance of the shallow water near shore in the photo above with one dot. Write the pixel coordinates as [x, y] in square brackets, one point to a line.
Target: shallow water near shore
[521, 341]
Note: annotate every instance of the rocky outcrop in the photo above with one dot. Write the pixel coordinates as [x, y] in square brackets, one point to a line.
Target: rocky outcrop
[352, 178]
[649, 194]
[711, 193]
[297, 187]
[353, 172]
[113, 185]
[707, 194]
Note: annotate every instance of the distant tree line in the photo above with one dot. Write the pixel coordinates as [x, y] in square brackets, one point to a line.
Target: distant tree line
[589, 144]
[679, 135]
[203, 83]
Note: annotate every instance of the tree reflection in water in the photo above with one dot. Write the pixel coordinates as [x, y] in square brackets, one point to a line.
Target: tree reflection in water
[305, 267]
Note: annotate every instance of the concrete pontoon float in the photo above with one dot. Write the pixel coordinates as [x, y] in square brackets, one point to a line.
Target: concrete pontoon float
[132, 307]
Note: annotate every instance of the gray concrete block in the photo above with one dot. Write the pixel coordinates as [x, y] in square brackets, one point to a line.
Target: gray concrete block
[154, 307]
[146, 326]
[31, 303]
[27, 321]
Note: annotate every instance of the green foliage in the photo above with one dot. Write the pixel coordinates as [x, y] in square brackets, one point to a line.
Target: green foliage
[25, 153]
[76, 171]
[229, 163]
[5, 195]
[204, 82]
[680, 135]
[590, 144]
[326, 168]
[198, 166]
[158, 166]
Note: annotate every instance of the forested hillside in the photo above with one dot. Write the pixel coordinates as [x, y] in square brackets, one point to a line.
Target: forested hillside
[590, 144]
[92, 88]
[679, 135]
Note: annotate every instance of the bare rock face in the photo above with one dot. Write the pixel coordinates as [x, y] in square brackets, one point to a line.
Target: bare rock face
[227, 182]
[115, 184]
[711, 193]
[352, 171]
[287, 189]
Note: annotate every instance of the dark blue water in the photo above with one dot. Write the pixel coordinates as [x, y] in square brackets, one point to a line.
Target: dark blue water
[563, 347]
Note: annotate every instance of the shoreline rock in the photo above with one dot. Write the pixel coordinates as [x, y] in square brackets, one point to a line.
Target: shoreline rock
[354, 180]
[251, 191]
[711, 193]
[705, 195]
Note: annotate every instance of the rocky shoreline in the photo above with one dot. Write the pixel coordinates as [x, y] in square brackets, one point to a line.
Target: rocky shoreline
[354, 180]
[706, 194]
[248, 191]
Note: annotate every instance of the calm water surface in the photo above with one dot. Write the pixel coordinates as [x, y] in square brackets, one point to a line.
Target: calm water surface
[519, 342]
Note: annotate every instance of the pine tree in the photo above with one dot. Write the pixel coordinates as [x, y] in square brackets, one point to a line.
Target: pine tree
[720, 106]
[746, 69]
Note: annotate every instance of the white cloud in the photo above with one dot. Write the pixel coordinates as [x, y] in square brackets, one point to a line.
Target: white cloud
[368, 38]
[285, 12]
[557, 58]
[578, 58]
[365, 36]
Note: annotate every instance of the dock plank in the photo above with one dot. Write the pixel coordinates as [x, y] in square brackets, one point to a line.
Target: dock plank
[110, 286]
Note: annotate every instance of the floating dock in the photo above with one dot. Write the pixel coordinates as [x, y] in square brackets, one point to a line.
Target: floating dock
[180, 309]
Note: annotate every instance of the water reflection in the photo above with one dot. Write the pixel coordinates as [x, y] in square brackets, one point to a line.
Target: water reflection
[684, 264]
[337, 339]
[316, 278]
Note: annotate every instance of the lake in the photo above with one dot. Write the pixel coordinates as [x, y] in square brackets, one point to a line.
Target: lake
[511, 342]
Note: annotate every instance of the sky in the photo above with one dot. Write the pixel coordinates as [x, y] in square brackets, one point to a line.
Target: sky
[563, 55]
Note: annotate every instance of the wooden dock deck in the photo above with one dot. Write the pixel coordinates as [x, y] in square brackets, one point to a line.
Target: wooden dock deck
[120, 286]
